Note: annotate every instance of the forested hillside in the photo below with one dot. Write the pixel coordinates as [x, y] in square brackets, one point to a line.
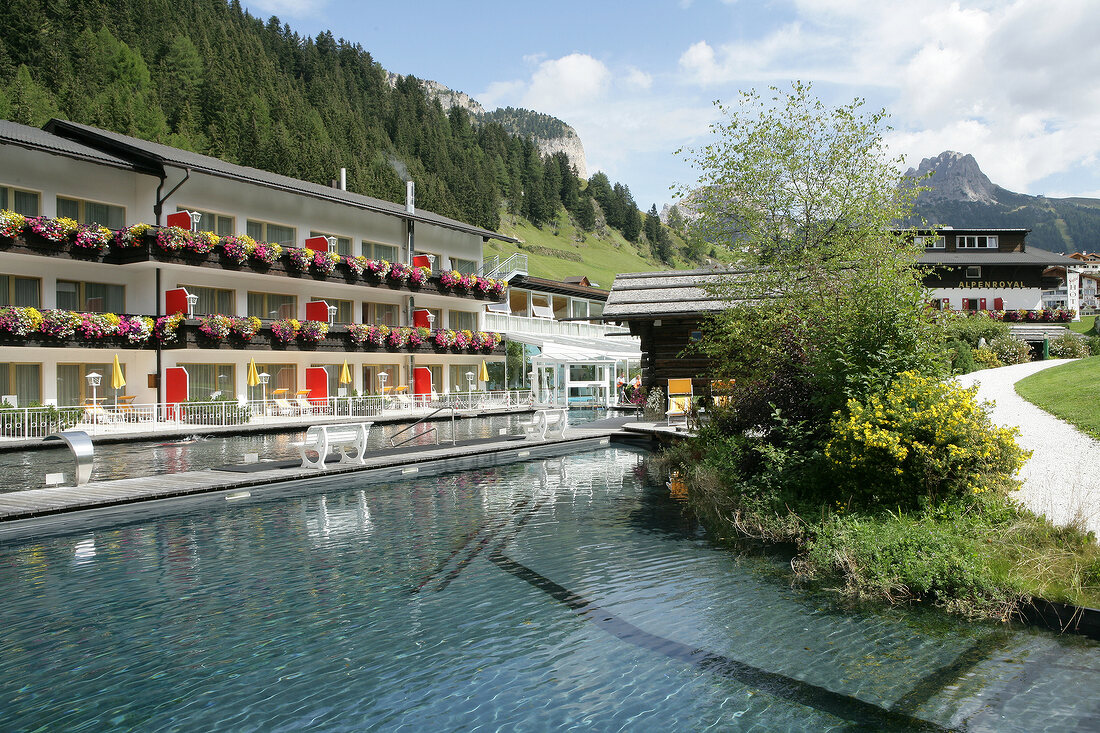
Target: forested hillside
[206, 76]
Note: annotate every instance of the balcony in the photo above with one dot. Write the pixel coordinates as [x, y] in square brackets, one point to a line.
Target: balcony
[506, 323]
[142, 243]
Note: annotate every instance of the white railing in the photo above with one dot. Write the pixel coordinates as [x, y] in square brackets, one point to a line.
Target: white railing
[548, 327]
[38, 422]
[516, 264]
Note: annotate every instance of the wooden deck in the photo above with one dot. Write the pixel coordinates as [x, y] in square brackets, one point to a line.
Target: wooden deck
[380, 465]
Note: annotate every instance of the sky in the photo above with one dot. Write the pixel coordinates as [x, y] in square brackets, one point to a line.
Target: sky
[1016, 84]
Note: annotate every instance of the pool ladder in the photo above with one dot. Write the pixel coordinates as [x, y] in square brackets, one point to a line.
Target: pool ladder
[433, 413]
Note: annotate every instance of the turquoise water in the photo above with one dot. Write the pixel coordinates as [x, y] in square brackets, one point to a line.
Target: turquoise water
[555, 594]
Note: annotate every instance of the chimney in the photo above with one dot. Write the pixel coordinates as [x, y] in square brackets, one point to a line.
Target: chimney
[410, 197]
[343, 179]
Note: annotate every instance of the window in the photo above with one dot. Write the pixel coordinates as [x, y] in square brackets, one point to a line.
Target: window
[72, 383]
[459, 381]
[466, 267]
[371, 383]
[283, 376]
[272, 305]
[21, 291]
[376, 251]
[343, 308]
[561, 306]
[930, 242]
[91, 297]
[382, 314]
[92, 212]
[580, 308]
[220, 224]
[976, 242]
[973, 272]
[21, 202]
[262, 231]
[213, 300]
[22, 380]
[343, 244]
[211, 381]
[595, 311]
[517, 302]
[461, 320]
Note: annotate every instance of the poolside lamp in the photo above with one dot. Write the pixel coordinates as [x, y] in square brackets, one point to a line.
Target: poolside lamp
[470, 380]
[264, 379]
[431, 320]
[431, 262]
[331, 243]
[331, 314]
[94, 379]
[192, 301]
[196, 219]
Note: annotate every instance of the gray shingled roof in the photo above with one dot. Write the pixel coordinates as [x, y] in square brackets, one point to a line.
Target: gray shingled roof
[665, 294]
[155, 153]
[1029, 256]
[33, 138]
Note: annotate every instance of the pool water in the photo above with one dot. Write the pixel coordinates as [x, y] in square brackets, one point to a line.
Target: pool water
[26, 469]
[556, 594]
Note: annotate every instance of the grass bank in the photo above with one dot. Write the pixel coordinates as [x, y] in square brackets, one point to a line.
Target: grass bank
[1087, 324]
[979, 558]
[1070, 391]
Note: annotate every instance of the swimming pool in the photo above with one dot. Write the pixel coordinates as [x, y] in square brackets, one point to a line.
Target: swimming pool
[556, 594]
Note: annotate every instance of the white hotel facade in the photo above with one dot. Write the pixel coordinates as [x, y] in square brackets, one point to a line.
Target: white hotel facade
[95, 176]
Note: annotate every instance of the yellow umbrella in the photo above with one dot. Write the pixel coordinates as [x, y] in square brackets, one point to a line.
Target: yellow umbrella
[117, 380]
[253, 375]
[483, 373]
[345, 373]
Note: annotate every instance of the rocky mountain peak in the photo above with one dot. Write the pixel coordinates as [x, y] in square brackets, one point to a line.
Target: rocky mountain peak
[527, 123]
[956, 177]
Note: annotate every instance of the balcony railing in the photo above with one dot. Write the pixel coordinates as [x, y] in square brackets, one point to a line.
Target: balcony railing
[108, 419]
[548, 327]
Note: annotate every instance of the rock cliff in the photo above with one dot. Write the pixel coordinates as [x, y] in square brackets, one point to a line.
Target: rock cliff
[551, 134]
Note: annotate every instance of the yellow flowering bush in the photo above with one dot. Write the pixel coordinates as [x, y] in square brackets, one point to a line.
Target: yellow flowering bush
[920, 441]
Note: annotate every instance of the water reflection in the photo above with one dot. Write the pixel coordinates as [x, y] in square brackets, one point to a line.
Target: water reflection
[22, 470]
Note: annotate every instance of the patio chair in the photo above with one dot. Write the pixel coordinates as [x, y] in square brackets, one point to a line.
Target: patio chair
[680, 397]
[301, 398]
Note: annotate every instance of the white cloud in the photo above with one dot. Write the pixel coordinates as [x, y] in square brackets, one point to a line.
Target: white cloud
[567, 83]
[637, 79]
[1012, 83]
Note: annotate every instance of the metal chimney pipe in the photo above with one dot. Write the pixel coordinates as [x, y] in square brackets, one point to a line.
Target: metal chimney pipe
[410, 197]
[343, 179]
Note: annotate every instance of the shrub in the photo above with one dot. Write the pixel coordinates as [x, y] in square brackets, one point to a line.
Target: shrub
[1010, 350]
[920, 442]
[1093, 343]
[1069, 346]
[655, 404]
[985, 358]
[972, 329]
[962, 357]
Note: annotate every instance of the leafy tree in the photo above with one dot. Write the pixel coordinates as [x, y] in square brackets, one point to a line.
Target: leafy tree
[675, 219]
[806, 198]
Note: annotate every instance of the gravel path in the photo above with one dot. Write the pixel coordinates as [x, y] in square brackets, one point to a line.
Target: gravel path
[1062, 478]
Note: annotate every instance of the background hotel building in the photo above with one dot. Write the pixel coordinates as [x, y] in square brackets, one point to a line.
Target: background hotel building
[95, 176]
[988, 269]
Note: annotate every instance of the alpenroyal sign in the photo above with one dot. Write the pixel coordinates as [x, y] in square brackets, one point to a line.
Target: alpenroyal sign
[998, 284]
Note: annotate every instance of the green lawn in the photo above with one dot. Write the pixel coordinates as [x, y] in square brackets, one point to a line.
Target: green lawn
[1070, 391]
[1085, 325]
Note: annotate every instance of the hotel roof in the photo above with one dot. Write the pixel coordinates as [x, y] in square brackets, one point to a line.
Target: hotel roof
[1030, 256]
[34, 138]
[648, 295]
[150, 157]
